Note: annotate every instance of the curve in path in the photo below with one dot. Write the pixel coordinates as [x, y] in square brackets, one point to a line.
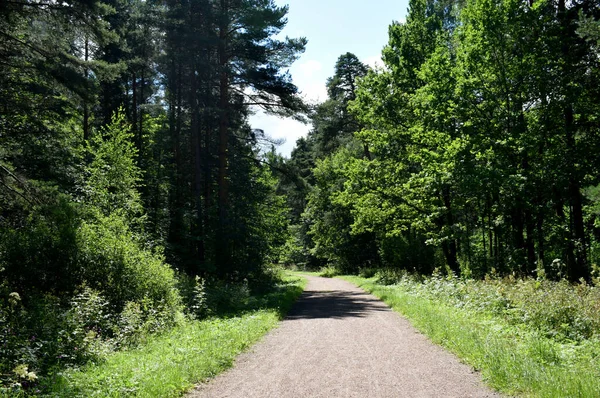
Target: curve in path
[339, 341]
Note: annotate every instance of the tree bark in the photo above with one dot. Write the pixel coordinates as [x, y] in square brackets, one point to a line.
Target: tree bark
[224, 111]
[86, 111]
[449, 246]
[577, 267]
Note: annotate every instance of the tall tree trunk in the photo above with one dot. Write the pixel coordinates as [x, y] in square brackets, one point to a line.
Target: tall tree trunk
[176, 204]
[577, 267]
[86, 111]
[484, 238]
[134, 111]
[449, 246]
[224, 111]
[223, 249]
[197, 153]
[142, 102]
[540, 238]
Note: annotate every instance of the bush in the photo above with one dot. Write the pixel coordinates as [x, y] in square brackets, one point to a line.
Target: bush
[116, 264]
[104, 292]
[39, 254]
[225, 297]
[390, 276]
[77, 281]
[45, 334]
[330, 271]
[367, 272]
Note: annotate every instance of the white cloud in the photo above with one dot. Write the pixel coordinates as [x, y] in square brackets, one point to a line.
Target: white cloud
[374, 61]
[288, 129]
[313, 92]
[308, 77]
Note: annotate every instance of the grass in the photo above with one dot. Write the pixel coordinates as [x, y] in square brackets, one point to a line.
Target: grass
[513, 358]
[170, 364]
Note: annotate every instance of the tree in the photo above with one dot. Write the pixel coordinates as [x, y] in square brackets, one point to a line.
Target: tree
[250, 64]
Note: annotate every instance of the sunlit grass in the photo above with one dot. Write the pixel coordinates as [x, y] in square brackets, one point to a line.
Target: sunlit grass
[173, 362]
[512, 359]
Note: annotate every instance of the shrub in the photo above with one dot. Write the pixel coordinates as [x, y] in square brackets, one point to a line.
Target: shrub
[367, 272]
[45, 334]
[224, 297]
[116, 264]
[330, 271]
[84, 324]
[390, 276]
[40, 254]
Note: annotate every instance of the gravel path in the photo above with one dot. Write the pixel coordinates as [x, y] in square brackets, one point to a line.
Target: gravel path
[339, 341]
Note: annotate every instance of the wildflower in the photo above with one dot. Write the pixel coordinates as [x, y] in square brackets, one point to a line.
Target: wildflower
[14, 299]
[23, 372]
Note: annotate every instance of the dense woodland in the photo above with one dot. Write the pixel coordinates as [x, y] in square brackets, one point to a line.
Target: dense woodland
[473, 149]
[127, 167]
[131, 183]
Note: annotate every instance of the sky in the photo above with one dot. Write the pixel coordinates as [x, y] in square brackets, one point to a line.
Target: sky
[333, 28]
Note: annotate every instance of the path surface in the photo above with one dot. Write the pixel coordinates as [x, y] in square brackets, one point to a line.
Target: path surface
[339, 341]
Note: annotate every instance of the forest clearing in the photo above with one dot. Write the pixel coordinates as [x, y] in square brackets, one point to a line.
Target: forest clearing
[150, 233]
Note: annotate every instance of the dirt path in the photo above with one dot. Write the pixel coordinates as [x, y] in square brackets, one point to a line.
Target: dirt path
[339, 341]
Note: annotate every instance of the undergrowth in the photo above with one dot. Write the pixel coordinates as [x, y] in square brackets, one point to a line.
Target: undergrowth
[329, 271]
[220, 325]
[527, 337]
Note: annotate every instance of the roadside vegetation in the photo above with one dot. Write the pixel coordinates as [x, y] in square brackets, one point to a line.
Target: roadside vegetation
[528, 337]
[227, 320]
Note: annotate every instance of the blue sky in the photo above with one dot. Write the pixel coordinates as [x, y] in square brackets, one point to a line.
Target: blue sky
[332, 27]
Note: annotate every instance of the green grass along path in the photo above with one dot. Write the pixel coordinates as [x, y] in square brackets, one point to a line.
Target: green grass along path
[172, 363]
[339, 341]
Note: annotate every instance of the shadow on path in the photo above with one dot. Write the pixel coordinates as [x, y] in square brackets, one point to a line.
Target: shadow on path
[334, 304]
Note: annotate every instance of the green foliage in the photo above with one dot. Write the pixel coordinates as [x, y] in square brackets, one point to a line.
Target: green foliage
[44, 334]
[189, 353]
[330, 218]
[112, 176]
[118, 266]
[407, 252]
[257, 223]
[168, 364]
[330, 271]
[474, 146]
[87, 320]
[116, 148]
[294, 251]
[199, 307]
[367, 272]
[40, 254]
[556, 310]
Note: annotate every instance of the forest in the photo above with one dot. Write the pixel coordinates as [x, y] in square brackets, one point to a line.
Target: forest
[129, 175]
[135, 197]
[474, 149]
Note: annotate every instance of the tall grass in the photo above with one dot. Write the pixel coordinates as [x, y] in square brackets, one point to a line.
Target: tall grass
[516, 358]
[173, 362]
